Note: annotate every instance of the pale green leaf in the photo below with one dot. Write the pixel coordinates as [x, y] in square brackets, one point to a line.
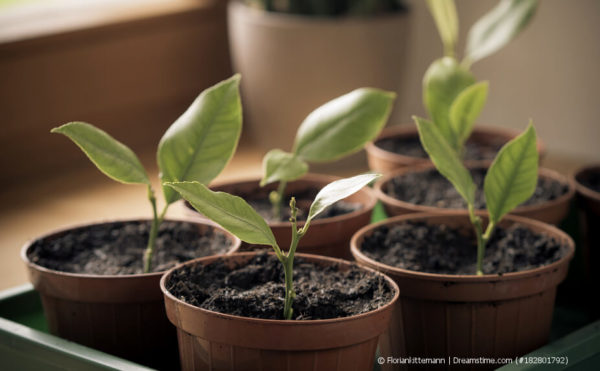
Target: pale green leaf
[444, 80]
[498, 27]
[466, 108]
[446, 20]
[512, 178]
[111, 157]
[230, 212]
[282, 166]
[343, 125]
[446, 159]
[201, 142]
[338, 190]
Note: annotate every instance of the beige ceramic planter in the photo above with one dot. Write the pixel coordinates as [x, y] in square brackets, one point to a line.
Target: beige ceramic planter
[384, 161]
[552, 212]
[328, 236]
[214, 341]
[122, 315]
[491, 316]
[290, 67]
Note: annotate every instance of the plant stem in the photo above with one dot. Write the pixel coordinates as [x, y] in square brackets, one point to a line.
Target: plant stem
[277, 201]
[156, 222]
[288, 263]
[476, 221]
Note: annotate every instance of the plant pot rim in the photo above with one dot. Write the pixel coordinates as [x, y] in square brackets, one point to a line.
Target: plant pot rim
[262, 321]
[583, 189]
[289, 20]
[423, 167]
[410, 130]
[309, 177]
[235, 246]
[549, 229]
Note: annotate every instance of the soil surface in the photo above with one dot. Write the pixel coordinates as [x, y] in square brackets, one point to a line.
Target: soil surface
[440, 249]
[411, 146]
[118, 248]
[257, 289]
[430, 188]
[591, 180]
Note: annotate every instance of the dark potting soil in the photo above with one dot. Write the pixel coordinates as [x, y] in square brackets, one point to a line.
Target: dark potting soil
[411, 146]
[591, 180]
[118, 248]
[440, 249]
[257, 289]
[430, 188]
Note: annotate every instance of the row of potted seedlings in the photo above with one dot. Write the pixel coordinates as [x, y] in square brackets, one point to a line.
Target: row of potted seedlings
[470, 263]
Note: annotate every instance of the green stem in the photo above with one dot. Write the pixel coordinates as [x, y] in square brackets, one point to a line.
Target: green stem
[156, 222]
[277, 201]
[288, 263]
[476, 221]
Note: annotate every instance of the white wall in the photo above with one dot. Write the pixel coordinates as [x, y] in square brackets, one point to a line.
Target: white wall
[550, 72]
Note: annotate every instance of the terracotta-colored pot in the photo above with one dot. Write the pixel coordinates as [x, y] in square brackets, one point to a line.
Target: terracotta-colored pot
[588, 202]
[553, 211]
[290, 67]
[440, 315]
[122, 315]
[328, 236]
[384, 161]
[214, 341]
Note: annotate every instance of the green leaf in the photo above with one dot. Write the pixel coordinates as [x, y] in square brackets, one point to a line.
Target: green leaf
[446, 20]
[512, 178]
[466, 108]
[202, 140]
[343, 125]
[230, 212]
[338, 190]
[446, 159]
[110, 156]
[444, 80]
[498, 27]
[282, 166]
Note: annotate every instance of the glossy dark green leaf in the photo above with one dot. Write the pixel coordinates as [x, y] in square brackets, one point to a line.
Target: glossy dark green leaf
[343, 125]
[446, 159]
[230, 212]
[282, 166]
[512, 178]
[498, 27]
[444, 80]
[202, 140]
[109, 155]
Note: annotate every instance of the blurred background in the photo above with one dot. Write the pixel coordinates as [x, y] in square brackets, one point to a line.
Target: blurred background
[131, 67]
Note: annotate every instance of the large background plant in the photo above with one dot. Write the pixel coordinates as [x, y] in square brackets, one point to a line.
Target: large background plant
[451, 95]
[197, 146]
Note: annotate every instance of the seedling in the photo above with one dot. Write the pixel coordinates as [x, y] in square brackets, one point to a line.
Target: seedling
[235, 215]
[451, 95]
[510, 180]
[197, 146]
[332, 131]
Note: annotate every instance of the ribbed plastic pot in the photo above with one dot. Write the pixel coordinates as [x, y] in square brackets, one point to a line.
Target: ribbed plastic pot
[553, 211]
[123, 315]
[214, 341]
[440, 315]
[384, 161]
[328, 236]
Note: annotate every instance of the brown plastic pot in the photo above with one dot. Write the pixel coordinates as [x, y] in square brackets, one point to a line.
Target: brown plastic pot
[440, 315]
[122, 315]
[553, 211]
[588, 202]
[215, 341]
[328, 236]
[384, 161]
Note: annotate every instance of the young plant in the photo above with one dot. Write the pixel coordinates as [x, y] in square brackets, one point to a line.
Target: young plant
[235, 215]
[197, 146]
[510, 180]
[332, 131]
[451, 95]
